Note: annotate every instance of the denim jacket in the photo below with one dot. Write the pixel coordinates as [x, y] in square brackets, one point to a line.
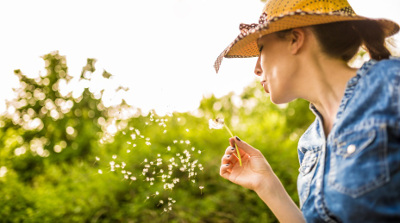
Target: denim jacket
[353, 174]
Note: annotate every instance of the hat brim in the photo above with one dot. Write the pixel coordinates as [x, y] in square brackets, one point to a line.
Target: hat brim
[245, 45]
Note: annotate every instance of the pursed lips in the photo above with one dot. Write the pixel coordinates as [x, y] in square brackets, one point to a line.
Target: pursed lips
[263, 84]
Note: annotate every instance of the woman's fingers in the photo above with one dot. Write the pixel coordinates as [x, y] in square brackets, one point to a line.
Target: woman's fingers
[225, 170]
[229, 157]
[251, 151]
[230, 150]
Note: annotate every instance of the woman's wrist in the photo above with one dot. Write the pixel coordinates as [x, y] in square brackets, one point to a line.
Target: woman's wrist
[267, 185]
[274, 195]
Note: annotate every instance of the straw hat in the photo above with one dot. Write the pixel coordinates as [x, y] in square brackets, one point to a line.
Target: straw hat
[280, 15]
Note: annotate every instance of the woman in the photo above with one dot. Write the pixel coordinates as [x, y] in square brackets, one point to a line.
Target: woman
[350, 156]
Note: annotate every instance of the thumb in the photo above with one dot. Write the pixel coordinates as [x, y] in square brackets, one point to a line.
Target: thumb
[244, 146]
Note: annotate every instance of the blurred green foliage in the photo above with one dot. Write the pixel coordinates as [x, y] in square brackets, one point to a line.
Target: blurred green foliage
[68, 158]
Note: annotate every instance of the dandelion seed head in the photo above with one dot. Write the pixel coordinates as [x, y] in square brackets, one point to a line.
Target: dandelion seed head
[100, 171]
[97, 158]
[216, 123]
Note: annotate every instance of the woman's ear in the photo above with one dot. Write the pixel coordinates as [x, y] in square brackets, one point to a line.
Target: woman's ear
[297, 40]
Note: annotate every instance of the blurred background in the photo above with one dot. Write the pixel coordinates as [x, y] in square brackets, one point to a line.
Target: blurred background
[105, 105]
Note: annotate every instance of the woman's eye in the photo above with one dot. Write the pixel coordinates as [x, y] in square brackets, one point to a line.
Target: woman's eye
[260, 48]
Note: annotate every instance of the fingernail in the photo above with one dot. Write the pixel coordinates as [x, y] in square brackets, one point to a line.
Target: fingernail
[227, 156]
[227, 164]
[232, 148]
[237, 138]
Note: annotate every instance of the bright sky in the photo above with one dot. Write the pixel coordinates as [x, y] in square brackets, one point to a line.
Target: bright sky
[163, 50]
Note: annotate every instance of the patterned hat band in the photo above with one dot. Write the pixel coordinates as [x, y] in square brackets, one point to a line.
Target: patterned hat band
[281, 15]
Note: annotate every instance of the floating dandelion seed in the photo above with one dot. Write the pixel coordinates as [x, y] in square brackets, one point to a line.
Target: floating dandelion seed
[201, 189]
[219, 123]
[158, 171]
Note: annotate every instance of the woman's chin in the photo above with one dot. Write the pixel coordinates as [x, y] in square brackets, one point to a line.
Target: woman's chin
[278, 100]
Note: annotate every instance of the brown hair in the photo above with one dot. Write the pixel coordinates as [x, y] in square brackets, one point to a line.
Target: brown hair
[343, 39]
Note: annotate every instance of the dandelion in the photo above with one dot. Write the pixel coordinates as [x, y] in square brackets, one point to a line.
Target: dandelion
[219, 123]
[100, 171]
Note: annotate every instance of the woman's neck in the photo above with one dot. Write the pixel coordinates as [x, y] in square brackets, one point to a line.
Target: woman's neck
[325, 91]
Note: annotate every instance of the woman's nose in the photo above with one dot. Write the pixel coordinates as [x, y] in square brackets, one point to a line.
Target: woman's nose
[258, 70]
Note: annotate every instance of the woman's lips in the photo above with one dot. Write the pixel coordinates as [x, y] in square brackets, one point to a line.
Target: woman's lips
[264, 85]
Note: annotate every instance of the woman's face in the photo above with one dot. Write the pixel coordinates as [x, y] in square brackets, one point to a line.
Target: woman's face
[277, 68]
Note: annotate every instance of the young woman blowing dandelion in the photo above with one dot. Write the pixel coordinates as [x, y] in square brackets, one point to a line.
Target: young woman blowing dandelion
[350, 156]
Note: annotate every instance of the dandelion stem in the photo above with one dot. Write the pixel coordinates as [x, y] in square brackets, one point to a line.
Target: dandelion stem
[237, 149]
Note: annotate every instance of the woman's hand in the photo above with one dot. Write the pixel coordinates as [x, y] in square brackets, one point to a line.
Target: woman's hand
[255, 172]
